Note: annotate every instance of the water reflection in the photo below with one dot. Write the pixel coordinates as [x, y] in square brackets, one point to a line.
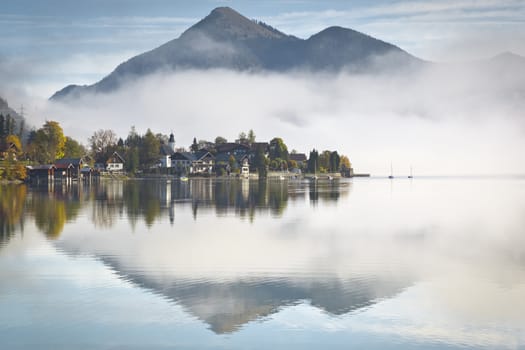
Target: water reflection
[53, 205]
[432, 262]
[12, 202]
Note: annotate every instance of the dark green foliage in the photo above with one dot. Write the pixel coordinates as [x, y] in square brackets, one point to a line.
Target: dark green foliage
[149, 150]
[260, 162]
[334, 162]
[220, 139]
[251, 136]
[132, 159]
[2, 127]
[7, 126]
[278, 149]
[194, 146]
[313, 161]
[73, 149]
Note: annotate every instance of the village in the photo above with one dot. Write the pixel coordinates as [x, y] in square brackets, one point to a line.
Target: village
[47, 155]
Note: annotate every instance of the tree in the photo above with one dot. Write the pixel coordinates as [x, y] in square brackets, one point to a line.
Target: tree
[163, 139]
[242, 138]
[219, 140]
[313, 161]
[15, 141]
[2, 127]
[7, 126]
[344, 163]
[133, 139]
[324, 161]
[132, 159]
[278, 149]
[73, 149]
[149, 152]
[260, 162]
[10, 125]
[232, 162]
[251, 136]
[103, 144]
[334, 162]
[21, 128]
[194, 146]
[131, 146]
[47, 143]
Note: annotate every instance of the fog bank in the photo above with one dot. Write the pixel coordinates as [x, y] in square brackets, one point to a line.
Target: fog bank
[456, 119]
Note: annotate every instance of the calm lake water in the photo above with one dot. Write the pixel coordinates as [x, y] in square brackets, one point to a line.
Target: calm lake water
[368, 263]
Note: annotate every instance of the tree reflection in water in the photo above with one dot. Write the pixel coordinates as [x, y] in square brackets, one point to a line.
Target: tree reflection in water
[53, 205]
[12, 203]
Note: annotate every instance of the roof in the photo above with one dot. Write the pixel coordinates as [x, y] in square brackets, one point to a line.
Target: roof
[202, 153]
[255, 145]
[166, 150]
[298, 157]
[64, 165]
[73, 161]
[225, 157]
[230, 146]
[43, 167]
[4, 147]
[191, 156]
[116, 155]
[183, 156]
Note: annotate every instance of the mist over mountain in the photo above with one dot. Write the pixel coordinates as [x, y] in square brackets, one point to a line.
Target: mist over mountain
[5, 110]
[226, 39]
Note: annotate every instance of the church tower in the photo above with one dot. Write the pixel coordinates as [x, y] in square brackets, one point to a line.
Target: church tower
[171, 142]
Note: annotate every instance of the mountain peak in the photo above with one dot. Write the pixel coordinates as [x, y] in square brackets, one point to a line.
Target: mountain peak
[225, 11]
[228, 40]
[224, 23]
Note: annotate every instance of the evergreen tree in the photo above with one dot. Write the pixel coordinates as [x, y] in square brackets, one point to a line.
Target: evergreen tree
[251, 136]
[260, 163]
[313, 161]
[194, 146]
[2, 127]
[334, 162]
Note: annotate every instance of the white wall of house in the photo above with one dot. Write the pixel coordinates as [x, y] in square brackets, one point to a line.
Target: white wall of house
[165, 162]
[115, 167]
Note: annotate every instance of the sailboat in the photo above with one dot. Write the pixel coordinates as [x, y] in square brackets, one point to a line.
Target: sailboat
[391, 172]
[410, 176]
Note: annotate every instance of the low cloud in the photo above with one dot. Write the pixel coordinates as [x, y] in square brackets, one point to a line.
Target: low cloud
[452, 119]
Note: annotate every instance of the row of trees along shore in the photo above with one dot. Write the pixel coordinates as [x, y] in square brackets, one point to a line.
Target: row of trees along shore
[140, 151]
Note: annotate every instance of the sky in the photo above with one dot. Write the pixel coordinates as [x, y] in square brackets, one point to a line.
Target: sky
[60, 42]
[458, 119]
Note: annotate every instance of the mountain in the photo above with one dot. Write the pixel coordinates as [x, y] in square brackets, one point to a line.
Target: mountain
[226, 39]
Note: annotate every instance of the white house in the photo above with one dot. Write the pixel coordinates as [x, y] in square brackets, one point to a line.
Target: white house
[115, 162]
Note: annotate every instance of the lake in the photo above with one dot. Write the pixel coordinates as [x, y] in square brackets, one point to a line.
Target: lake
[236, 264]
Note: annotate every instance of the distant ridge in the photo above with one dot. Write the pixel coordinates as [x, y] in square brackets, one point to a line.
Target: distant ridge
[226, 39]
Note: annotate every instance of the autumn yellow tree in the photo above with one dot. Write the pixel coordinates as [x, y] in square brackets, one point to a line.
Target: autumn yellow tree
[344, 163]
[48, 143]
